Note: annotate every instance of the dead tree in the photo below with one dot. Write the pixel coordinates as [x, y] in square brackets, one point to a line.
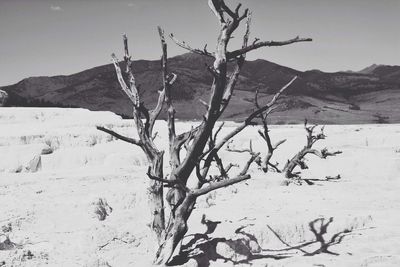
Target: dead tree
[200, 143]
[299, 158]
[145, 133]
[265, 163]
[264, 133]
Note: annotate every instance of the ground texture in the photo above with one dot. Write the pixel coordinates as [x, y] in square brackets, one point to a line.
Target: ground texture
[59, 176]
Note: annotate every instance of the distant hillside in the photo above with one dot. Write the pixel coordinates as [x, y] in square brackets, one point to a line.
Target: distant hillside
[341, 97]
[369, 69]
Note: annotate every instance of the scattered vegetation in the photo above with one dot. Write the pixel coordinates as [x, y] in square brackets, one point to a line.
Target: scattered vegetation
[102, 209]
[15, 100]
[380, 119]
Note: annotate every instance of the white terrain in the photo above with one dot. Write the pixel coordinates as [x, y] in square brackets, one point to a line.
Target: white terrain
[55, 168]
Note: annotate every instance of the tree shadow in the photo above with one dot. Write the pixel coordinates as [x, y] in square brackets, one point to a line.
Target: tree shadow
[203, 248]
[319, 229]
[311, 181]
[245, 248]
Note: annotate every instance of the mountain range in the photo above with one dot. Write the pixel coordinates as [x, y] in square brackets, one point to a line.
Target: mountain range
[371, 95]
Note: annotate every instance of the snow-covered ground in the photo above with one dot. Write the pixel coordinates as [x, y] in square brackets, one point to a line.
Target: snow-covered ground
[55, 166]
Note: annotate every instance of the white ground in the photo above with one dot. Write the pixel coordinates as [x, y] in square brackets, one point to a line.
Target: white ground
[49, 215]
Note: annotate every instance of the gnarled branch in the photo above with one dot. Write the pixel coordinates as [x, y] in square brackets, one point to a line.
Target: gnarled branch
[298, 159]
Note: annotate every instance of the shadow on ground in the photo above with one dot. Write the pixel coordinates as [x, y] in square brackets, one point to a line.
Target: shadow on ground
[245, 248]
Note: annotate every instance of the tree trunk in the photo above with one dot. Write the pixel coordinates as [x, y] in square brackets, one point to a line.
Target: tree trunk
[290, 165]
[156, 198]
[289, 169]
[176, 230]
[266, 160]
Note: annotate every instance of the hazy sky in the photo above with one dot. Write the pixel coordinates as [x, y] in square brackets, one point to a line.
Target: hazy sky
[50, 37]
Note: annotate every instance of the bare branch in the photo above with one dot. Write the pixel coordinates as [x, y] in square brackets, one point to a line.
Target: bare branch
[131, 77]
[186, 46]
[244, 15]
[160, 102]
[256, 40]
[274, 166]
[228, 10]
[121, 137]
[168, 99]
[229, 167]
[220, 184]
[189, 137]
[121, 81]
[245, 150]
[239, 64]
[247, 32]
[220, 165]
[253, 157]
[265, 134]
[249, 119]
[170, 182]
[156, 111]
[277, 95]
[217, 131]
[272, 102]
[154, 136]
[257, 45]
[217, 9]
[184, 137]
[323, 154]
[153, 114]
[202, 180]
[231, 85]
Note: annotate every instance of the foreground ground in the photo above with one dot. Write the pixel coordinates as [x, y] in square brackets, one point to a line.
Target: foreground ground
[55, 166]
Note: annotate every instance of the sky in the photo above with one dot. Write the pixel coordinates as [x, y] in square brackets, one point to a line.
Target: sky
[53, 37]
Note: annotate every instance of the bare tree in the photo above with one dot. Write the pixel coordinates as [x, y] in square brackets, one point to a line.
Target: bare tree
[299, 158]
[265, 163]
[200, 144]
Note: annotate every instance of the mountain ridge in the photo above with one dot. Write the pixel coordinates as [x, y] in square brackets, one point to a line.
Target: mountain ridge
[325, 97]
